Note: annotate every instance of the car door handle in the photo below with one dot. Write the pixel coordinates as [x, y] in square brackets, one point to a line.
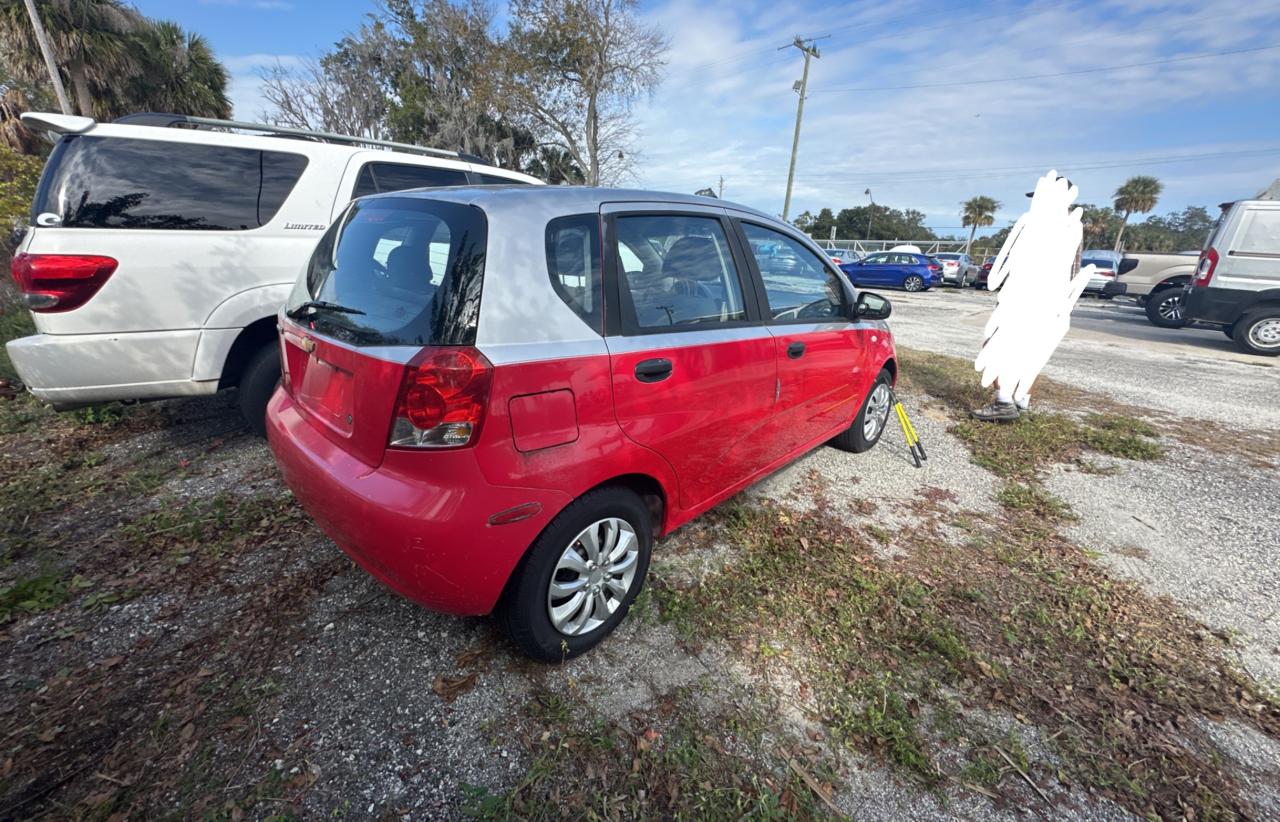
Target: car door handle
[653, 370]
[796, 350]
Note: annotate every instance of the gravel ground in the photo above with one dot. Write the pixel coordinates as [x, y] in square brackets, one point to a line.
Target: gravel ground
[357, 703]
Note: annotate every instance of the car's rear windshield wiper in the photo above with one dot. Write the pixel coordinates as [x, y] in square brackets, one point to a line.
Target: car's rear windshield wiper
[311, 305]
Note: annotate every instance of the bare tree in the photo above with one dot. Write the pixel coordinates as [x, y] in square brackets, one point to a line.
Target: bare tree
[573, 70]
[346, 91]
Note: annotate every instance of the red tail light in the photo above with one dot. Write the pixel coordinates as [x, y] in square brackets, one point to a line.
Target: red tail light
[935, 268]
[60, 282]
[442, 399]
[1204, 271]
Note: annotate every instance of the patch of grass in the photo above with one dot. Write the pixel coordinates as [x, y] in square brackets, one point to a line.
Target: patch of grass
[673, 762]
[1017, 621]
[1033, 499]
[36, 594]
[15, 322]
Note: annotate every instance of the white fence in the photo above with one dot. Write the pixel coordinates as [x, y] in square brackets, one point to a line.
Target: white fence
[864, 247]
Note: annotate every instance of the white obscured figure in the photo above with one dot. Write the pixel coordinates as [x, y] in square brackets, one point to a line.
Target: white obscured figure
[1037, 268]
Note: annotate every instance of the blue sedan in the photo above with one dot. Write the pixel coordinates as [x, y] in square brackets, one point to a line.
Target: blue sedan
[896, 269]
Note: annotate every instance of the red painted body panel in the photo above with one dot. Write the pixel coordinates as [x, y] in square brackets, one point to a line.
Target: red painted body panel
[418, 519]
[705, 419]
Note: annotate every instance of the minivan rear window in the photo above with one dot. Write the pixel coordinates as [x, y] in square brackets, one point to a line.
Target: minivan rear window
[404, 271]
[116, 182]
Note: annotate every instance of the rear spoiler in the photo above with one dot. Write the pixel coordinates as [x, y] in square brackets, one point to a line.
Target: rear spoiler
[57, 123]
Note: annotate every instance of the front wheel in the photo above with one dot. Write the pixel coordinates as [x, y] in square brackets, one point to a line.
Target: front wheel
[913, 282]
[1164, 308]
[872, 418]
[580, 576]
[1258, 331]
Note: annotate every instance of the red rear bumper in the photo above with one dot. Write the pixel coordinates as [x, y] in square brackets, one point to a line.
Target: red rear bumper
[418, 522]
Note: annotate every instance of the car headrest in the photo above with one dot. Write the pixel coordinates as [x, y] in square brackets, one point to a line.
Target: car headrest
[692, 258]
[409, 267]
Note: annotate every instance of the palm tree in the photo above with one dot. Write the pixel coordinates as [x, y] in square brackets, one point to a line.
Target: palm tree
[179, 74]
[978, 212]
[92, 42]
[556, 166]
[1138, 195]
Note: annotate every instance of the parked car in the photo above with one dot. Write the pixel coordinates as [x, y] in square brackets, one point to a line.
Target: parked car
[507, 430]
[957, 269]
[1156, 282]
[160, 250]
[984, 273]
[897, 269]
[1102, 283]
[841, 255]
[1237, 281]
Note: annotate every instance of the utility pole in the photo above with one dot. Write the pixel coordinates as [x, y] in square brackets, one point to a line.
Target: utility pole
[720, 195]
[810, 49]
[49, 62]
[871, 212]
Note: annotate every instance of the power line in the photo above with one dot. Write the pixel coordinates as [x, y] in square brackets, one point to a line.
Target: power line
[1096, 70]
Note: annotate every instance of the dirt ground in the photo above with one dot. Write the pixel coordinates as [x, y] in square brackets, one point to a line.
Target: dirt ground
[1086, 629]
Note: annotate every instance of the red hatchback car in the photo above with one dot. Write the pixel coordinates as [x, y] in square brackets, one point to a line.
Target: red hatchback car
[495, 398]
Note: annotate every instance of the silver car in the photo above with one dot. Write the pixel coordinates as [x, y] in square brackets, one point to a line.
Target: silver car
[957, 269]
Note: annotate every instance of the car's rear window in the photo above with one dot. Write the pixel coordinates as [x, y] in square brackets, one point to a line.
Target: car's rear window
[114, 182]
[411, 267]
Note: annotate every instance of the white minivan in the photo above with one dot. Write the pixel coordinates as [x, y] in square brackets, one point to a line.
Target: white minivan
[162, 246]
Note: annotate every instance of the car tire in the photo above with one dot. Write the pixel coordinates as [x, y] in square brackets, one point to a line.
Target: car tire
[1258, 331]
[913, 282]
[524, 612]
[257, 383]
[859, 436]
[1161, 313]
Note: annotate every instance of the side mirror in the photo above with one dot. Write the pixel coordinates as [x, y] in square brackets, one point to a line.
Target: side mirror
[872, 307]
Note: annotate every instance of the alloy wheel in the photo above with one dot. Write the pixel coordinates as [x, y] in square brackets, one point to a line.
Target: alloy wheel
[877, 412]
[913, 283]
[1170, 308]
[592, 577]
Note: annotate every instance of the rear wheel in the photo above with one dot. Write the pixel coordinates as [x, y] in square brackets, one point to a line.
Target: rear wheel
[1164, 308]
[872, 418]
[913, 282]
[1258, 331]
[580, 576]
[257, 384]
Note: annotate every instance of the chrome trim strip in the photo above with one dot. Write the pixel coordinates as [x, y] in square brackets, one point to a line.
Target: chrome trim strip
[685, 339]
[514, 353]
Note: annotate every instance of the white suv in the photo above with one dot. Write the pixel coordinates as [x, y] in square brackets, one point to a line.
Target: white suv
[162, 246]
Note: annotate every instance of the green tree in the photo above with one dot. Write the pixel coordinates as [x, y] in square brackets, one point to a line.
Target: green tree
[1137, 195]
[177, 72]
[19, 174]
[92, 42]
[556, 167]
[573, 71]
[978, 212]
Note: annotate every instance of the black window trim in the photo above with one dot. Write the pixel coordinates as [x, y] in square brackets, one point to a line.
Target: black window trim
[620, 314]
[551, 276]
[370, 162]
[762, 296]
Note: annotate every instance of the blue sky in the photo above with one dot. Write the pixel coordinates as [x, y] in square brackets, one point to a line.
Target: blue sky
[726, 106]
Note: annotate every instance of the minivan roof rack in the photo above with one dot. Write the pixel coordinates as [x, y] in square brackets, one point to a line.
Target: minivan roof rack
[164, 120]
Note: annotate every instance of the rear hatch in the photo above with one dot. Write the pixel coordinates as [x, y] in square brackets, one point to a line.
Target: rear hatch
[379, 329]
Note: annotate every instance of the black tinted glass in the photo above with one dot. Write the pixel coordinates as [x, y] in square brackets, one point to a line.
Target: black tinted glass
[109, 182]
[412, 267]
[379, 177]
[573, 262]
[492, 180]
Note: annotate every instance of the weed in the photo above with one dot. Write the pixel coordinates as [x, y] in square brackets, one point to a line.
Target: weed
[1034, 500]
[37, 594]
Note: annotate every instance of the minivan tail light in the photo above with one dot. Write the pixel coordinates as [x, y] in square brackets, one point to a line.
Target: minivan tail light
[60, 282]
[442, 399]
[1204, 271]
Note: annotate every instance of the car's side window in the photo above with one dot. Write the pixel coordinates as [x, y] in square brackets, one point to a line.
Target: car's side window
[376, 178]
[573, 262]
[678, 271]
[1259, 233]
[876, 259]
[801, 287]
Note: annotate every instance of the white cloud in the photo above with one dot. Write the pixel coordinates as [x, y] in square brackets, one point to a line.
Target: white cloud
[726, 107]
[245, 86]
